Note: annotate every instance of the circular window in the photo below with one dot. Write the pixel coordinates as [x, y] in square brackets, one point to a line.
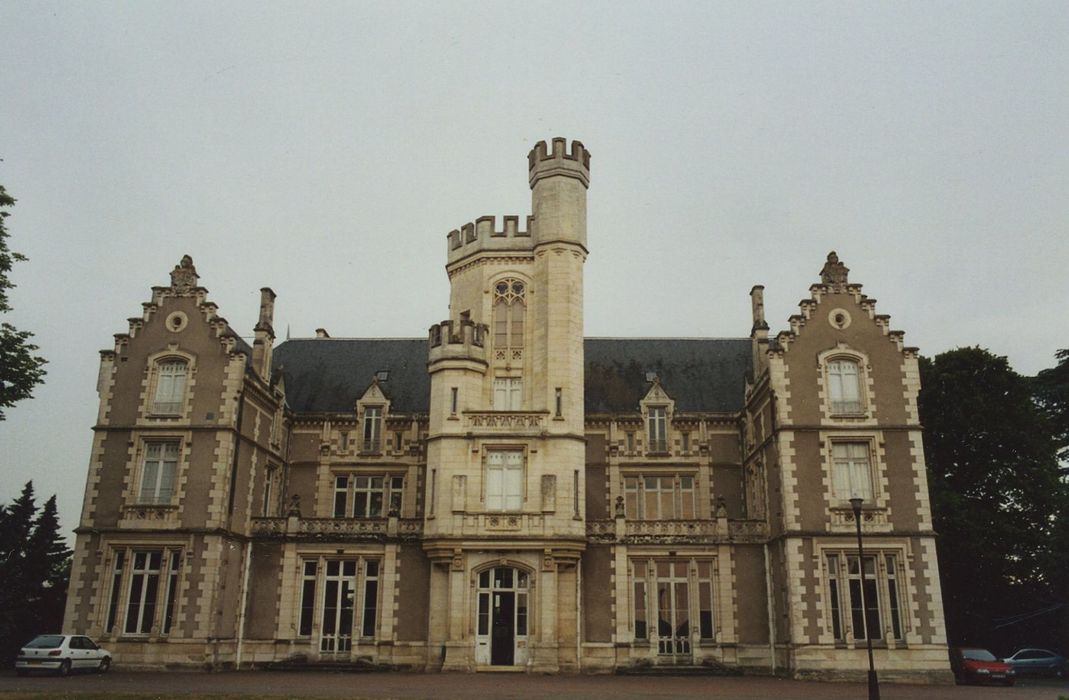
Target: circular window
[839, 318]
[176, 322]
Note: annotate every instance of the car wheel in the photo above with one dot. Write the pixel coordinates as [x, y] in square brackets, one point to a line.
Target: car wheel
[64, 668]
[105, 664]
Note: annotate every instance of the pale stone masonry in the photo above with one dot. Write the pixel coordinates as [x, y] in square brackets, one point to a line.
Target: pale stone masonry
[505, 494]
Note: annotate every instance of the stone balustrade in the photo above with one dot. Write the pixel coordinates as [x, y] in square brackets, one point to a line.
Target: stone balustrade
[374, 529]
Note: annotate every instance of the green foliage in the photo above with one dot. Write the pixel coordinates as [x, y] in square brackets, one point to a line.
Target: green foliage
[20, 369]
[1052, 393]
[34, 570]
[996, 496]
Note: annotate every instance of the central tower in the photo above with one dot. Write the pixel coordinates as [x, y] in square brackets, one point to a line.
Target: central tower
[505, 450]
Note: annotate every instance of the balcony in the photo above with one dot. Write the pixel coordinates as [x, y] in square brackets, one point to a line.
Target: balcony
[677, 531]
[338, 529]
[506, 421]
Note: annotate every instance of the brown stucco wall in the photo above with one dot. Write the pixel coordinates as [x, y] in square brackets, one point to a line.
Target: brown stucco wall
[112, 473]
[724, 448]
[597, 599]
[903, 491]
[597, 492]
[302, 480]
[264, 579]
[751, 594]
[810, 471]
[414, 593]
[727, 482]
[229, 595]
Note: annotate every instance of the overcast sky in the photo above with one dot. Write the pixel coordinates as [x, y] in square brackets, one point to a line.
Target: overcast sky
[325, 150]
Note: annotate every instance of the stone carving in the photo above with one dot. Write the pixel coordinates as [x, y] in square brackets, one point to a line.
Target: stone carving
[833, 272]
[505, 420]
[184, 275]
[721, 507]
[294, 508]
[621, 511]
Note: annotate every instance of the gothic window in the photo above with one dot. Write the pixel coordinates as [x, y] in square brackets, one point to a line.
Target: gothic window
[158, 473]
[844, 387]
[659, 497]
[170, 387]
[881, 605]
[504, 480]
[372, 429]
[144, 590]
[508, 393]
[657, 425]
[509, 315]
[851, 470]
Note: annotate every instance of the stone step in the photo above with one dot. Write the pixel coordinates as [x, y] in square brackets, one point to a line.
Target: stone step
[680, 670]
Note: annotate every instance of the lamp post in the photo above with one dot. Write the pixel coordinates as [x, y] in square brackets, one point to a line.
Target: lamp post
[874, 685]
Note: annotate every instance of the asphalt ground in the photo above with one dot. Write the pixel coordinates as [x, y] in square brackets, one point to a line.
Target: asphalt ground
[500, 686]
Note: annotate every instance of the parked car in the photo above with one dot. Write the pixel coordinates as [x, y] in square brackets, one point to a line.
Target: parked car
[62, 653]
[1037, 662]
[971, 665]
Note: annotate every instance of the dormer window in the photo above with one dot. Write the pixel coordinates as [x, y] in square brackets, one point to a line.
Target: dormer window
[170, 387]
[844, 389]
[372, 429]
[657, 426]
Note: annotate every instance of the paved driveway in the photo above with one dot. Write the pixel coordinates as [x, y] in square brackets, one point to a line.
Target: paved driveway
[499, 686]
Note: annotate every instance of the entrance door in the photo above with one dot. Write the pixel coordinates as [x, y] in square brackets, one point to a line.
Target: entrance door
[502, 617]
[503, 625]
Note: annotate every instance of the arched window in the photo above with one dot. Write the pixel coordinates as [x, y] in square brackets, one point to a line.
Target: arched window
[844, 388]
[509, 311]
[170, 387]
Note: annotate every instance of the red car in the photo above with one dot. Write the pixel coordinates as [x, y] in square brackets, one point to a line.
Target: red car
[971, 665]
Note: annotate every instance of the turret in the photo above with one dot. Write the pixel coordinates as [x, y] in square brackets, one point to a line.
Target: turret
[559, 179]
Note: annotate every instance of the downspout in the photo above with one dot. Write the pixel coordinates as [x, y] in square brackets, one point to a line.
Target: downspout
[230, 511]
[244, 600]
[771, 614]
[579, 615]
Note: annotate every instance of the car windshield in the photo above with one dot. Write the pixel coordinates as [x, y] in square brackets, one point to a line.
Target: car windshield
[977, 655]
[46, 641]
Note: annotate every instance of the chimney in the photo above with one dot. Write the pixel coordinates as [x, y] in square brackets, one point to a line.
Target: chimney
[759, 330]
[263, 344]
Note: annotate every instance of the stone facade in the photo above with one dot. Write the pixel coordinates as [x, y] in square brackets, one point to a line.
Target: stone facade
[507, 494]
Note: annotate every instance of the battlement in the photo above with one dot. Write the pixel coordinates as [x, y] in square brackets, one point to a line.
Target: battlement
[544, 161]
[458, 340]
[483, 234]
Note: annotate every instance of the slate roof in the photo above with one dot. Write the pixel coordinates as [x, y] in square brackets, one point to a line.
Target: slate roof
[328, 375]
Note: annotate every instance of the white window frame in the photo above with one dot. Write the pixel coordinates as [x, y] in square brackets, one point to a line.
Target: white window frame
[657, 428]
[371, 436]
[505, 470]
[155, 493]
[852, 470]
[508, 393]
[172, 378]
[845, 397]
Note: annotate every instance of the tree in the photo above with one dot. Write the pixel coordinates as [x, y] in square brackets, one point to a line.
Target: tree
[1052, 392]
[996, 497]
[20, 369]
[34, 570]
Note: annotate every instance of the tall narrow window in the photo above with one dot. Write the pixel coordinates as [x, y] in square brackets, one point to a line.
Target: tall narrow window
[658, 429]
[560, 399]
[170, 387]
[308, 598]
[144, 591]
[892, 597]
[843, 387]
[371, 597]
[341, 492]
[453, 401]
[372, 429]
[338, 592]
[508, 393]
[157, 474]
[509, 312]
[864, 614]
[397, 491]
[116, 588]
[174, 560]
[269, 479]
[852, 473]
[431, 491]
[836, 596]
[639, 575]
[504, 480]
[629, 442]
[705, 600]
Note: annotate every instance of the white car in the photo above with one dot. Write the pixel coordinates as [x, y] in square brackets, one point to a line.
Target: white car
[62, 653]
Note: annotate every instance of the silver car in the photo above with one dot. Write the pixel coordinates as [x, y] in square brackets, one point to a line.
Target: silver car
[1037, 662]
[62, 653]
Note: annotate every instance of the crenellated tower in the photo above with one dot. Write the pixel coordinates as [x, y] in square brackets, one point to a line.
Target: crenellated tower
[505, 450]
